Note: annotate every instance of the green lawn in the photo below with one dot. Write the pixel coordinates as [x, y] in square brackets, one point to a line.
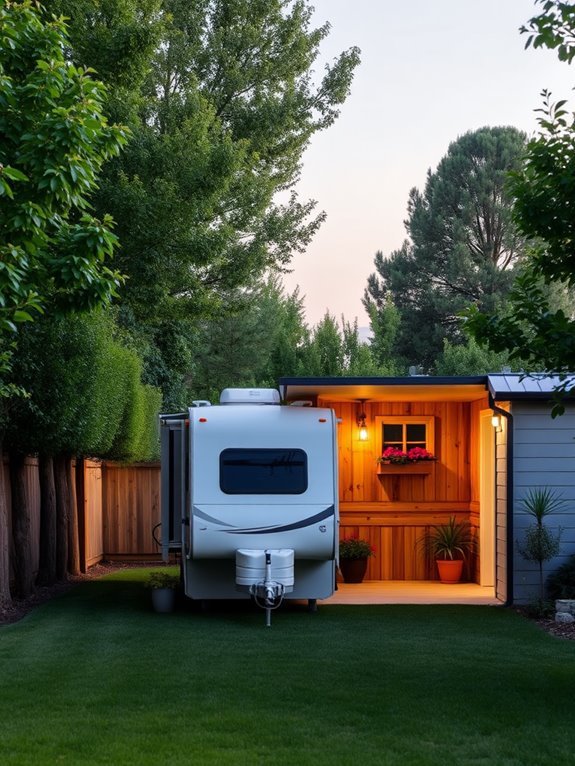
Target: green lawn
[96, 677]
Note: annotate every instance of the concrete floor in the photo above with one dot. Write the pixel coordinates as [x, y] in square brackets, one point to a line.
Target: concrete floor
[411, 592]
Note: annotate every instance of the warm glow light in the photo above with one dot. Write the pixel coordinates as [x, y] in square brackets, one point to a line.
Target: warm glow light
[496, 422]
[361, 424]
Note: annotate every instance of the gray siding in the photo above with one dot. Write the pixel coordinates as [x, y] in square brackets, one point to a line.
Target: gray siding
[544, 456]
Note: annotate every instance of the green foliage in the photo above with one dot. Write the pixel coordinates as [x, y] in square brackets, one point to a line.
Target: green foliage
[553, 28]
[463, 248]
[82, 388]
[163, 580]
[540, 544]
[384, 320]
[561, 582]
[220, 123]
[469, 359]
[355, 548]
[544, 190]
[454, 540]
[335, 351]
[54, 139]
[137, 436]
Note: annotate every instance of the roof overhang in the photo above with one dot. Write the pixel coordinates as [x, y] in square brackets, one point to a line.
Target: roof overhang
[520, 386]
[414, 388]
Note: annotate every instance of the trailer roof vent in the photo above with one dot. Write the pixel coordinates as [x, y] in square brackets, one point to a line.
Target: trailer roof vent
[249, 396]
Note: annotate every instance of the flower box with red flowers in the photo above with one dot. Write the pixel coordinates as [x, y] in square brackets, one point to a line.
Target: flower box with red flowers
[417, 460]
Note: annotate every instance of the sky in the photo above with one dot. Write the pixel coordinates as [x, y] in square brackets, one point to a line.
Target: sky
[431, 70]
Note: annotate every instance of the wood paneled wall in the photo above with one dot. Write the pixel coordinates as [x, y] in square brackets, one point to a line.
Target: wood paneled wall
[393, 512]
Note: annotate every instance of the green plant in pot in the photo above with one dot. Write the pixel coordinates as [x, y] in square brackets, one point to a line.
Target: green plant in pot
[163, 586]
[449, 544]
[353, 555]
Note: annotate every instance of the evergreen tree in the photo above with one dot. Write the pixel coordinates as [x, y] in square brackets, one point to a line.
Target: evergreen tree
[463, 247]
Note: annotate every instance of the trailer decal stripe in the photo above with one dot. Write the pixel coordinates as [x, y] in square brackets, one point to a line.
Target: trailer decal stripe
[206, 517]
[265, 530]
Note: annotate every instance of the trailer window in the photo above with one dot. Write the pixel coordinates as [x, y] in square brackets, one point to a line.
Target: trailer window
[263, 471]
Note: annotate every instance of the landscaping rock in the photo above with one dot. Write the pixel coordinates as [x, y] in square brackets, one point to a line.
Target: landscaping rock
[564, 617]
[565, 605]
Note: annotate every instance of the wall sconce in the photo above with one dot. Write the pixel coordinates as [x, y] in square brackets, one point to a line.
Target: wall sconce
[361, 424]
[496, 422]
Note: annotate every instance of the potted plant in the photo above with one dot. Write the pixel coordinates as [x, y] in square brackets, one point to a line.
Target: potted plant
[163, 586]
[450, 544]
[353, 556]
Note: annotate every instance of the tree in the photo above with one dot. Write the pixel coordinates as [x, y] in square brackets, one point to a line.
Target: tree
[530, 327]
[84, 398]
[544, 191]
[223, 119]
[259, 338]
[54, 139]
[469, 359]
[463, 246]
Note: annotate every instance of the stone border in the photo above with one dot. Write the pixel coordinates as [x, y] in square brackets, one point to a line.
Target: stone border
[565, 610]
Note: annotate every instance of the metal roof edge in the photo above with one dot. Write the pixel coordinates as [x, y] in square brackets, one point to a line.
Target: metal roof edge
[413, 380]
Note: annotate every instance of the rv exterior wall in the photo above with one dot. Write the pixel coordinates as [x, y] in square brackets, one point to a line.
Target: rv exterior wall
[232, 505]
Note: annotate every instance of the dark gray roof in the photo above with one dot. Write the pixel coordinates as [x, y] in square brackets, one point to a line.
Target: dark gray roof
[522, 386]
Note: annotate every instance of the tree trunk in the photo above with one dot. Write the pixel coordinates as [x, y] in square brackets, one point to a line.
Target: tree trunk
[47, 568]
[5, 597]
[21, 529]
[62, 510]
[73, 533]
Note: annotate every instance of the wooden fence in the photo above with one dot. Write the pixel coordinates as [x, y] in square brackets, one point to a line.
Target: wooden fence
[118, 508]
[130, 510]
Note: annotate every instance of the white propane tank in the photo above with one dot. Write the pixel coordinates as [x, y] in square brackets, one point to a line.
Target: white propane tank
[251, 567]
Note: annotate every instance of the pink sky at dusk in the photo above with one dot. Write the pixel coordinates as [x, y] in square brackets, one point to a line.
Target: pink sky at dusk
[431, 70]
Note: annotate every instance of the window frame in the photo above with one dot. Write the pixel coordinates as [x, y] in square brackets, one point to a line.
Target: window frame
[404, 420]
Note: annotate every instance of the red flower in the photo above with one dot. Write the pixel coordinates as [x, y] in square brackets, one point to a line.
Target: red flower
[414, 455]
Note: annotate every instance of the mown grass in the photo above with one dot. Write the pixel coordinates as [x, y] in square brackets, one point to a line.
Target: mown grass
[96, 677]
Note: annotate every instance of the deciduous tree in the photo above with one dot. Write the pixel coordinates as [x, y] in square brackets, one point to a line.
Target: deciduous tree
[54, 138]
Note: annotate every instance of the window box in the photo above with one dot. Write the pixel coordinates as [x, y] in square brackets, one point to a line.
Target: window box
[405, 469]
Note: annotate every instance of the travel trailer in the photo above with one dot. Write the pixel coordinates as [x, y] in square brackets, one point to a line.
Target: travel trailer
[250, 498]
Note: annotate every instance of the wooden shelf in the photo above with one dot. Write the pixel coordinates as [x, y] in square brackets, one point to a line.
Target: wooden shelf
[406, 469]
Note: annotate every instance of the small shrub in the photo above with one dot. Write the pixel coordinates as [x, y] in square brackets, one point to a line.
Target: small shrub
[561, 583]
[163, 580]
[354, 548]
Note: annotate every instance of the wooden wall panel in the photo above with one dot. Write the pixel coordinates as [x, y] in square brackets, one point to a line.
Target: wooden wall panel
[393, 511]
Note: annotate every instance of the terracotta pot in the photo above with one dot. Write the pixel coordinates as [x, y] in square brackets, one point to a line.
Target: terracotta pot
[353, 570]
[449, 571]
